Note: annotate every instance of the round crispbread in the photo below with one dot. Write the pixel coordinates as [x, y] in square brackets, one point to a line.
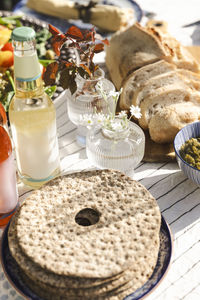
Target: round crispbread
[50, 245]
[48, 233]
[51, 293]
[34, 271]
[75, 287]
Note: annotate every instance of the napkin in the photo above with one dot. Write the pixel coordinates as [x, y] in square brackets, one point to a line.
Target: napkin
[105, 17]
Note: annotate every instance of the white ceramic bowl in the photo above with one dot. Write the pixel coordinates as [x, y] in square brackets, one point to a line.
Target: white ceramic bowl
[189, 131]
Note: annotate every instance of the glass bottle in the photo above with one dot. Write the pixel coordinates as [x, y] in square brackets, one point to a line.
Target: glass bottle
[32, 115]
[8, 185]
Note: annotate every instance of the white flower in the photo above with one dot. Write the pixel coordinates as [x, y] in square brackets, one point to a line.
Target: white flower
[109, 121]
[108, 96]
[86, 120]
[90, 121]
[135, 111]
[99, 118]
[122, 114]
[114, 94]
[116, 126]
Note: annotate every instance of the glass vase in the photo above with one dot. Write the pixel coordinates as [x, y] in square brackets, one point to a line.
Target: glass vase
[87, 101]
[120, 150]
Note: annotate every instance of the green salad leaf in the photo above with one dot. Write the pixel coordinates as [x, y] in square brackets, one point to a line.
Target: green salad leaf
[11, 21]
[41, 37]
[50, 90]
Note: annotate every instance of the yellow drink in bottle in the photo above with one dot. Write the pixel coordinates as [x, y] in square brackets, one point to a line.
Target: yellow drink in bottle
[32, 115]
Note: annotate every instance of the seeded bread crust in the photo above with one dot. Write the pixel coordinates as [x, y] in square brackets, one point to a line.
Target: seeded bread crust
[181, 57]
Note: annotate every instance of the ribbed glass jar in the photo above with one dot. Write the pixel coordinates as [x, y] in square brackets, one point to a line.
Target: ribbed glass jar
[121, 151]
[86, 100]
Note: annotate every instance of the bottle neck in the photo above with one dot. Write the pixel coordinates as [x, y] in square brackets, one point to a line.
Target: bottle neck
[28, 89]
[27, 70]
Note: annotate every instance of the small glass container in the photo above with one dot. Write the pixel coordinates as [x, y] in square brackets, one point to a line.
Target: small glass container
[120, 150]
[87, 101]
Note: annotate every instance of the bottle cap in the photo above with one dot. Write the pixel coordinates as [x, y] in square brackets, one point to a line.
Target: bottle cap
[23, 33]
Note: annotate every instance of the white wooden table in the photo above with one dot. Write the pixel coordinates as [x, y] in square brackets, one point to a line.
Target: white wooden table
[177, 197]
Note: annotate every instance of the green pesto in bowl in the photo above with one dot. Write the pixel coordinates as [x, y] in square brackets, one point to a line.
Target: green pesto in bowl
[190, 152]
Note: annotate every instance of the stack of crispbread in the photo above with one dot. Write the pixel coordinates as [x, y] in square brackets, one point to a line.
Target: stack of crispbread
[89, 235]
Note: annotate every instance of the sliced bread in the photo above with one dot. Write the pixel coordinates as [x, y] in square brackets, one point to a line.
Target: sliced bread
[166, 122]
[189, 75]
[154, 85]
[139, 78]
[138, 46]
[132, 49]
[165, 96]
[177, 77]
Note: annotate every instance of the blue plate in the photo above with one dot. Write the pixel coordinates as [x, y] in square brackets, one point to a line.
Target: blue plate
[64, 24]
[13, 273]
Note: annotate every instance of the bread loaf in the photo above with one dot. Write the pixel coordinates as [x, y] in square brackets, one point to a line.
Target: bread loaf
[181, 57]
[157, 91]
[189, 76]
[157, 74]
[138, 46]
[132, 49]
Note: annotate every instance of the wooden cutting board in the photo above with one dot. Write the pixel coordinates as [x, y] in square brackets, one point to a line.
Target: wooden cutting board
[157, 152]
[164, 152]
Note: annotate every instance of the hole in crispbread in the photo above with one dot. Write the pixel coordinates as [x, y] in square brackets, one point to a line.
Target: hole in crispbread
[87, 217]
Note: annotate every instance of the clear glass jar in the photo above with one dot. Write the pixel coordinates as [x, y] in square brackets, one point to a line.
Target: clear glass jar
[108, 149]
[86, 100]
